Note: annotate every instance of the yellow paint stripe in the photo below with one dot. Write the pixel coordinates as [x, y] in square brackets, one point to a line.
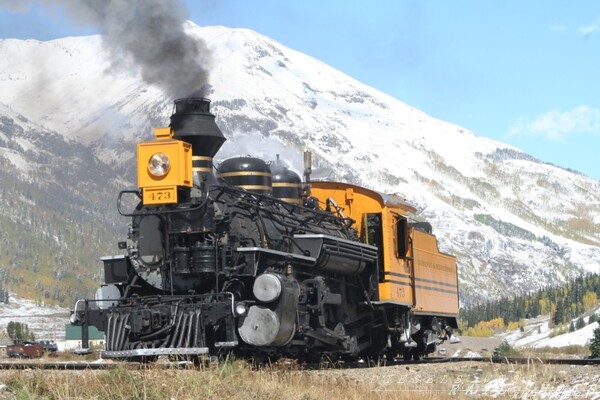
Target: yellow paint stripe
[286, 184]
[290, 200]
[243, 173]
[254, 187]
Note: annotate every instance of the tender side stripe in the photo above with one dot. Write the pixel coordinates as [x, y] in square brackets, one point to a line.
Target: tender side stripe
[399, 275]
[451, 285]
[436, 282]
[436, 289]
[396, 282]
[431, 289]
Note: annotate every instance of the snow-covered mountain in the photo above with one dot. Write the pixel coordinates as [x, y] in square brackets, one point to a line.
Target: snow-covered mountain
[515, 223]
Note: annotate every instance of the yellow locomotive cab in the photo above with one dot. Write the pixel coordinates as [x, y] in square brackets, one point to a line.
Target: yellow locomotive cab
[164, 165]
[412, 271]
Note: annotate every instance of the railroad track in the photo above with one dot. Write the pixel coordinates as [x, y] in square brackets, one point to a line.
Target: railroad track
[534, 360]
[435, 360]
[67, 366]
[72, 366]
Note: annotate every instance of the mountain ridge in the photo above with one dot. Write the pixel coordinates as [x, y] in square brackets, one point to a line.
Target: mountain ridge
[515, 223]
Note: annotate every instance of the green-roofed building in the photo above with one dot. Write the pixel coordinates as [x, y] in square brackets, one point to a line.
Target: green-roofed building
[73, 337]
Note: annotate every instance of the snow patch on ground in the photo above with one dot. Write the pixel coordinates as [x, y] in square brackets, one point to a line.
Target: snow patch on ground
[46, 322]
[472, 354]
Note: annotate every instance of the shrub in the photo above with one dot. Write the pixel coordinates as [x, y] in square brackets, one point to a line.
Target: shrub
[504, 350]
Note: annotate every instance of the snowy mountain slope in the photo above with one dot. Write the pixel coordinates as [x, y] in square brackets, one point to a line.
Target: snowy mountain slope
[56, 213]
[515, 223]
[538, 334]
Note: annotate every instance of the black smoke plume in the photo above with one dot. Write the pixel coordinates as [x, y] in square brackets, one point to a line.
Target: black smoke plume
[144, 34]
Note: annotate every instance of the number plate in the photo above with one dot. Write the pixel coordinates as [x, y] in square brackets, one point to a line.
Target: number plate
[160, 195]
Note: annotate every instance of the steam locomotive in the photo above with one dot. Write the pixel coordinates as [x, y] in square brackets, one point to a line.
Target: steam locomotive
[255, 262]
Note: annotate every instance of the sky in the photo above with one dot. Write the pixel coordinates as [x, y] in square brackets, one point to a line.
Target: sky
[524, 73]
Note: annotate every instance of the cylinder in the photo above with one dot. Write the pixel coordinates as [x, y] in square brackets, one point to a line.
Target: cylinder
[272, 323]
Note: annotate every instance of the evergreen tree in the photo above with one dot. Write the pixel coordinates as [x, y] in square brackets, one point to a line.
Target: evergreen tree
[19, 332]
[559, 314]
[571, 327]
[595, 344]
[563, 303]
[580, 323]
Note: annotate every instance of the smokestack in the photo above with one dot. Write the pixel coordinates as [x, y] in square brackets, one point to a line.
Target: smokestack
[193, 123]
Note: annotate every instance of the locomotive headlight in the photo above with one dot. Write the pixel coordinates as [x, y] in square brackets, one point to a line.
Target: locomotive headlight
[159, 164]
[74, 318]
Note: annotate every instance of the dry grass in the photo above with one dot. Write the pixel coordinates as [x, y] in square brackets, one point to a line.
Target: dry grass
[557, 352]
[231, 380]
[238, 380]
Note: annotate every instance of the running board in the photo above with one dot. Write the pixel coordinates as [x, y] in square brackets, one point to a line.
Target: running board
[335, 254]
